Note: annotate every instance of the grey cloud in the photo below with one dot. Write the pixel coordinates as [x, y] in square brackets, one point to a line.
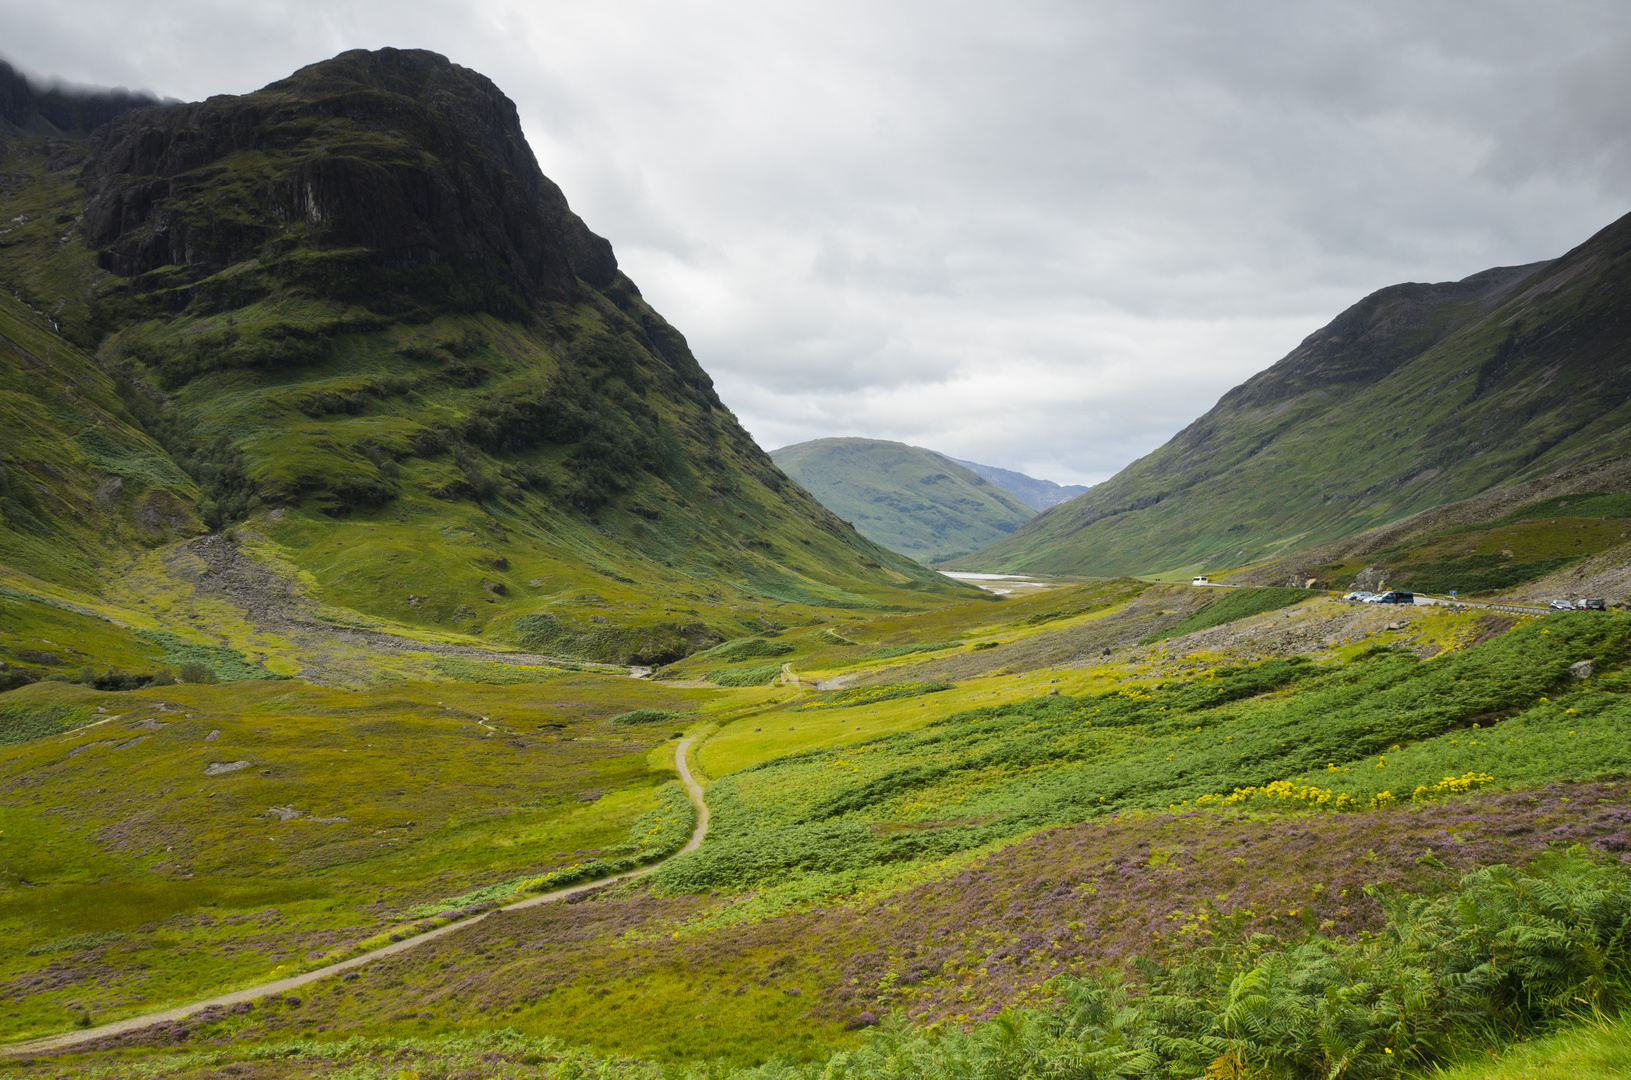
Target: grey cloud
[1041, 235]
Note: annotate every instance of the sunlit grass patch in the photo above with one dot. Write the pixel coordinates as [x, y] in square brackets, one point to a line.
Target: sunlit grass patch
[495, 672]
[1593, 1050]
[745, 676]
[872, 695]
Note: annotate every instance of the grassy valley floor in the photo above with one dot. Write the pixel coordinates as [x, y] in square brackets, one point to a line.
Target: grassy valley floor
[928, 816]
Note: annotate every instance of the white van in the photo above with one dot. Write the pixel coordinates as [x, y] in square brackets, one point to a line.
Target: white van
[1199, 581]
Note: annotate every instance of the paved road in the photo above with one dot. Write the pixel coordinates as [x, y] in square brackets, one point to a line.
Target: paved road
[1515, 609]
[180, 1012]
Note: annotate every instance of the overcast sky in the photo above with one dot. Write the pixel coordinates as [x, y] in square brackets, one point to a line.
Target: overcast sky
[1043, 236]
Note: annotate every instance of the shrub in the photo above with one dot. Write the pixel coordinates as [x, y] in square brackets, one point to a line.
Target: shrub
[195, 672]
[77, 943]
[649, 643]
[645, 716]
[12, 676]
[890, 651]
[749, 648]
[745, 676]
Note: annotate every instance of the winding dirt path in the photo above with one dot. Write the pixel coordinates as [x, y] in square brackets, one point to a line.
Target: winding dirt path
[135, 1023]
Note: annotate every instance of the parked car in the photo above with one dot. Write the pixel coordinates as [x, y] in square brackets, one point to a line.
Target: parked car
[1395, 596]
[1356, 595]
[1591, 605]
[1561, 605]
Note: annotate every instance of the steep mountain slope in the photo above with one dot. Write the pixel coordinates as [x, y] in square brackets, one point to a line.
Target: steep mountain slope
[1417, 395]
[908, 499]
[355, 310]
[1038, 494]
[77, 474]
[1564, 534]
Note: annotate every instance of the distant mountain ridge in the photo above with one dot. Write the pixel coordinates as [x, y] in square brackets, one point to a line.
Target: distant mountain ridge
[61, 110]
[1038, 494]
[911, 500]
[1418, 395]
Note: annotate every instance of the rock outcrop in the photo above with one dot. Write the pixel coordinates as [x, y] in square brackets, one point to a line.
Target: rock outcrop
[393, 178]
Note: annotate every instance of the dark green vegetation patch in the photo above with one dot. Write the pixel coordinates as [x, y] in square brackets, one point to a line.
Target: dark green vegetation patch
[646, 716]
[1587, 505]
[21, 723]
[749, 649]
[745, 676]
[641, 643]
[1232, 605]
[889, 652]
[77, 943]
[1474, 575]
[871, 695]
[228, 665]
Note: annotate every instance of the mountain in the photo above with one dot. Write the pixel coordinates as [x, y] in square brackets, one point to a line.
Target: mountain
[908, 499]
[1037, 494]
[1417, 395]
[56, 111]
[348, 319]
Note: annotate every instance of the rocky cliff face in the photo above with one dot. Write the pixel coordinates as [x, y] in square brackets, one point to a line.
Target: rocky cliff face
[394, 179]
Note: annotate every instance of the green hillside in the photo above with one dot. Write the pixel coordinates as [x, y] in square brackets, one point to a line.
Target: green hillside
[908, 499]
[1416, 396]
[348, 318]
[78, 475]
